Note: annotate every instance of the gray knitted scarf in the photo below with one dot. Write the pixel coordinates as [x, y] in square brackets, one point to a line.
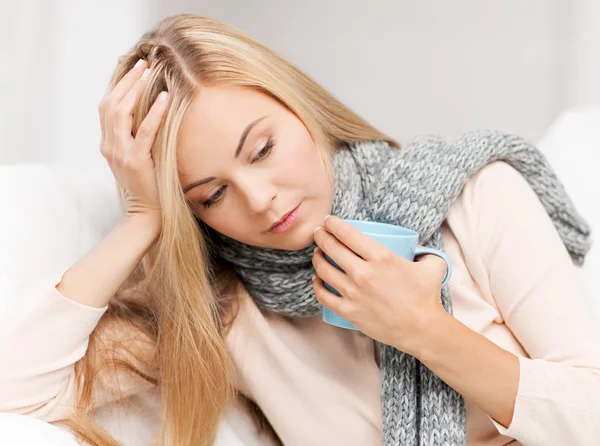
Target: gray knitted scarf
[413, 187]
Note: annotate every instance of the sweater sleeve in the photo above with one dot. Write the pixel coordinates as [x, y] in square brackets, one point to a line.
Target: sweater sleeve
[540, 296]
[42, 337]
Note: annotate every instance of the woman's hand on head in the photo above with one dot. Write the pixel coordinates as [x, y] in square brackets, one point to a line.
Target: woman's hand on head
[389, 298]
[130, 158]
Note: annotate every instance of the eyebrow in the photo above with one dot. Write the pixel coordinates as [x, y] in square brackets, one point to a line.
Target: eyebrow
[237, 153]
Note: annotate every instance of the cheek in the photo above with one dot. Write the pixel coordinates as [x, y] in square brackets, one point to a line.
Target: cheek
[301, 165]
[226, 221]
[295, 166]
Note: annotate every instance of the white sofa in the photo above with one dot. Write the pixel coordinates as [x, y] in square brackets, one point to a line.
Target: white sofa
[51, 215]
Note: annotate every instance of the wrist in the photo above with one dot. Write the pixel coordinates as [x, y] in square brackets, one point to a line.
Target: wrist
[429, 334]
[148, 225]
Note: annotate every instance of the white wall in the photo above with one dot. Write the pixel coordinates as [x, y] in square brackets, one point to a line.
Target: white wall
[408, 67]
[414, 67]
[57, 59]
[583, 56]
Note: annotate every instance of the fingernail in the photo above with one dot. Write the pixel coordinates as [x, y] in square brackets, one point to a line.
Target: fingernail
[314, 276]
[146, 73]
[138, 63]
[326, 217]
[162, 97]
[316, 229]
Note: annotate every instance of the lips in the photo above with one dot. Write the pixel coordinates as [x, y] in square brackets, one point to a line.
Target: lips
[283, 218]
[287, 222]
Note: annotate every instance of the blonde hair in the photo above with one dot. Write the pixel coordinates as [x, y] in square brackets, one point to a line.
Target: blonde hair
[179, 302]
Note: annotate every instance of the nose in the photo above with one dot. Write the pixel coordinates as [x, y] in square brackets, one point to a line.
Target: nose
[258, 194]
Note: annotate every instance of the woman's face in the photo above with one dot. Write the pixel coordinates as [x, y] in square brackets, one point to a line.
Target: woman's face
[245, 161]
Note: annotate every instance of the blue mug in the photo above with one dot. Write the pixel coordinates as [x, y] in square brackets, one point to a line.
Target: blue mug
[401, 241]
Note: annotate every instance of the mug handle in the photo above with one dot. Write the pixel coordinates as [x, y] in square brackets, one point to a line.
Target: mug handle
[436, 252]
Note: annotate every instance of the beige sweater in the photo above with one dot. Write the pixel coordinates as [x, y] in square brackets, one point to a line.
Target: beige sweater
[513, 282]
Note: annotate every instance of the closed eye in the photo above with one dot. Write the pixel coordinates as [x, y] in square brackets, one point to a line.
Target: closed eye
[266, 150]
[214, 198]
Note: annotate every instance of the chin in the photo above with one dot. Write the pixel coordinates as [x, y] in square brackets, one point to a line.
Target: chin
[301, 240]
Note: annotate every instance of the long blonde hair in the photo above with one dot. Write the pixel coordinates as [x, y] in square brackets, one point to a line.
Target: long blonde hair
[179, 301]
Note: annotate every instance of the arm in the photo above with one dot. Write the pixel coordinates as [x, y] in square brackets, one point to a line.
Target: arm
[472, 365]
[553, 397]
[94, 279]
[47, 333]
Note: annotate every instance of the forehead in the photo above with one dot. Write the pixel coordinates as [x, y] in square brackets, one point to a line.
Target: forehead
[218, 115]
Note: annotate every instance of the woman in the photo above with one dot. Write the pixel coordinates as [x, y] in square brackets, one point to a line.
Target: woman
[226, 183]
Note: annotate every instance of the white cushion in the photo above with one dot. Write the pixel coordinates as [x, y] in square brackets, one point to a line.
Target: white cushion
[571, 145]
[51, 217]
[28, 431]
